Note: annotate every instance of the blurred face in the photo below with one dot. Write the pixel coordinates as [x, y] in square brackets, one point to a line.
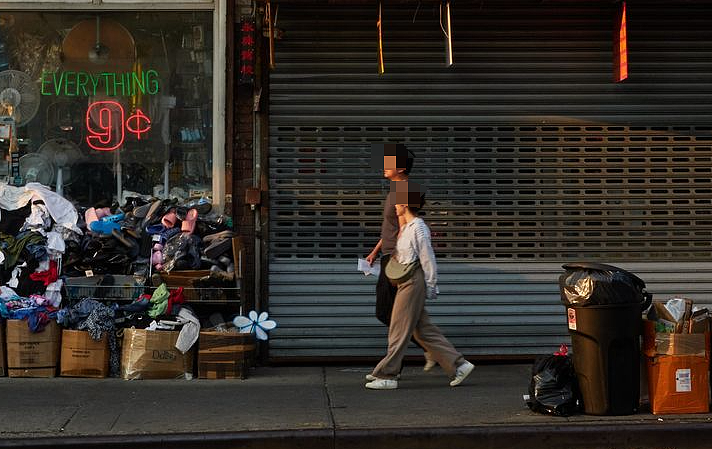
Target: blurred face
[400, 209]
[389, 167]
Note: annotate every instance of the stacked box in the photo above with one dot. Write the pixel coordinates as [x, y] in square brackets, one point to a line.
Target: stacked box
[150, 354]
[678, 371]
[225, 355]
[32, 354]
[83, 356]
[3, 361]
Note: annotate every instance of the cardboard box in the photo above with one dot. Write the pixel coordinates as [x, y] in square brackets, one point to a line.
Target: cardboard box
[699, 322]
[3, 360]
[678, 384]
[32, 354]
[224, 355]
[678, 371]
[153, 355]
[83, 356]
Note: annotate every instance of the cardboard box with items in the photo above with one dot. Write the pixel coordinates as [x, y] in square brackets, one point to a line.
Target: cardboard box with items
[82, 356]
[676, 342]
[32, 354]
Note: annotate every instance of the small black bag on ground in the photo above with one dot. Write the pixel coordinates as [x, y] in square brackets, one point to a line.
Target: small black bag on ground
[553, 389]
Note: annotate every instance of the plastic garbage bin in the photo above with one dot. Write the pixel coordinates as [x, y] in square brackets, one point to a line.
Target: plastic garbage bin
[603, 307]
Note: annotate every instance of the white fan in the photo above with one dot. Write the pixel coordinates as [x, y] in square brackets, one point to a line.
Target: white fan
[19, 96]
[62, 154]
[36, 168]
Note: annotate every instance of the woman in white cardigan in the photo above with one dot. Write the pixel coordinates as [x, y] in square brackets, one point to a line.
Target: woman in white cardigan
[409, 315]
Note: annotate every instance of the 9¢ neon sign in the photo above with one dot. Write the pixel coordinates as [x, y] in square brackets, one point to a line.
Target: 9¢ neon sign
[107, 125]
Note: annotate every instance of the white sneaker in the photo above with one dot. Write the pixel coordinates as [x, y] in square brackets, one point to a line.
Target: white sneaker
[429, 363]
[382, 384]
[461, 373]
[371, 377]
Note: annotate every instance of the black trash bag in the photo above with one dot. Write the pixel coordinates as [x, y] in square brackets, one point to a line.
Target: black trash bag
[553, 389]
[589, 284]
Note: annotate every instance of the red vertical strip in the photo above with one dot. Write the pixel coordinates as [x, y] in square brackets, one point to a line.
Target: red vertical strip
[620, 46]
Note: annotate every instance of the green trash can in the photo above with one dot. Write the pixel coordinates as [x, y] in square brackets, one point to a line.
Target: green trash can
[604, 305]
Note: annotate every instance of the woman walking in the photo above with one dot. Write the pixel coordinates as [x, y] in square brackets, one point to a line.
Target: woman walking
[409, 316]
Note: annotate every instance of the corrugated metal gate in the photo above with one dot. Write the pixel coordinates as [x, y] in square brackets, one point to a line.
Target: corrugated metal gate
[531, 154]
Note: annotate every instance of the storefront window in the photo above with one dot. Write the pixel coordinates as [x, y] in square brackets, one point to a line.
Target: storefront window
[107, 105]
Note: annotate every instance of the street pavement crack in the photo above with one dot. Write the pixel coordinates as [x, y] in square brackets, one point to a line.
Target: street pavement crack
[330, 406]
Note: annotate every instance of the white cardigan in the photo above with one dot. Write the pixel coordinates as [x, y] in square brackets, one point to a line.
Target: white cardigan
[414, 244]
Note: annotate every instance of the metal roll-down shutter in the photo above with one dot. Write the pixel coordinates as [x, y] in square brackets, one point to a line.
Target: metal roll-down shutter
[532, 156]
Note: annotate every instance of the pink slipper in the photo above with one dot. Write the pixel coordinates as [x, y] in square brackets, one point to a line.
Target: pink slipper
[188, 224]
[90, 216]
[103, 212]
[169, 220]
[157, 256]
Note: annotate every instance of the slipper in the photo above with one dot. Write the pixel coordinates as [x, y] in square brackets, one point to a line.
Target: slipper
[151, 212]
[169, 220]
[121, 238]
[217, 247]
[90, 216]
[103, 212]
[155, 229]
[188, 224]
[141, 211]
[217, 236]
[113, 218]
[105, 226]
[157, 257]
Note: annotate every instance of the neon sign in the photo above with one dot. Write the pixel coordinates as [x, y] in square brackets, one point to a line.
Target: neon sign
[76, 84]
[107, 128]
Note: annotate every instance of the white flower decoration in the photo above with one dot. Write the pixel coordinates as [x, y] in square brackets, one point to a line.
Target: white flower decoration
[259, 325]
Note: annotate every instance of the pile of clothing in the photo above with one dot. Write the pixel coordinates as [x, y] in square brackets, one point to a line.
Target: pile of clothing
[35, 225]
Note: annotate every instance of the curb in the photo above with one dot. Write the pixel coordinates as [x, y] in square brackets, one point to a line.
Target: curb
[616, 435]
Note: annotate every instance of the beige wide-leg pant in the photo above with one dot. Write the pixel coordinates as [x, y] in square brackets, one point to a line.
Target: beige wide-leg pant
[410, 318]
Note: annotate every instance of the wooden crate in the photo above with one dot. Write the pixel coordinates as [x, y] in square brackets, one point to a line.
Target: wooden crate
[224, 355]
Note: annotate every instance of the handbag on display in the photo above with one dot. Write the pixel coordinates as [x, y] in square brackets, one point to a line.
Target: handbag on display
[398, 272]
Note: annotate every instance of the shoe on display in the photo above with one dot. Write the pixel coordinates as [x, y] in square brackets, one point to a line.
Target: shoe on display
[382, 384]
[461, 373]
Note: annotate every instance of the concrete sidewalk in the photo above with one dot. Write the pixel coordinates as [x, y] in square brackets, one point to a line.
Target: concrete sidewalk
[318, 407]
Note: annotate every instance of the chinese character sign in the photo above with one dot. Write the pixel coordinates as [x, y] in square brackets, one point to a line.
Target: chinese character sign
[247, 51]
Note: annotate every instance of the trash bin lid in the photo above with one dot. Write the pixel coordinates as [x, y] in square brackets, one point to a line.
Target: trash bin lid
[601, 267]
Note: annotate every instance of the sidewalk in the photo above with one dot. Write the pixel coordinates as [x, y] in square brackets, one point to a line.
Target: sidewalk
[318, 407]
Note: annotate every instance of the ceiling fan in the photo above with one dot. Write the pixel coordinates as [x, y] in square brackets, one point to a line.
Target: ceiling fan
[98, 44]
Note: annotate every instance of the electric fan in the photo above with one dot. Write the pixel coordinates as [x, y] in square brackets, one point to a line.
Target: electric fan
[36, 168]
[62, 154]
[19, 96]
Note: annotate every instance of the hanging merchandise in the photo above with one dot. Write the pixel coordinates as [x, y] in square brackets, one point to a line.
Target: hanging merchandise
[620, 45]
[270, 30]
[247, 51]
[447, 31]
[379, 26]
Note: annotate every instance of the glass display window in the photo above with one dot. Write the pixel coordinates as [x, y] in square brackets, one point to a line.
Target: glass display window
[103, 105]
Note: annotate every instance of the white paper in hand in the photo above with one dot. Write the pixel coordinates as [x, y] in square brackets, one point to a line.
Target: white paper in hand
[367, 269]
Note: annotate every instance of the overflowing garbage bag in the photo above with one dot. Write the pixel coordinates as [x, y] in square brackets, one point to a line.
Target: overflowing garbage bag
[593, 284]
[553, 389]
